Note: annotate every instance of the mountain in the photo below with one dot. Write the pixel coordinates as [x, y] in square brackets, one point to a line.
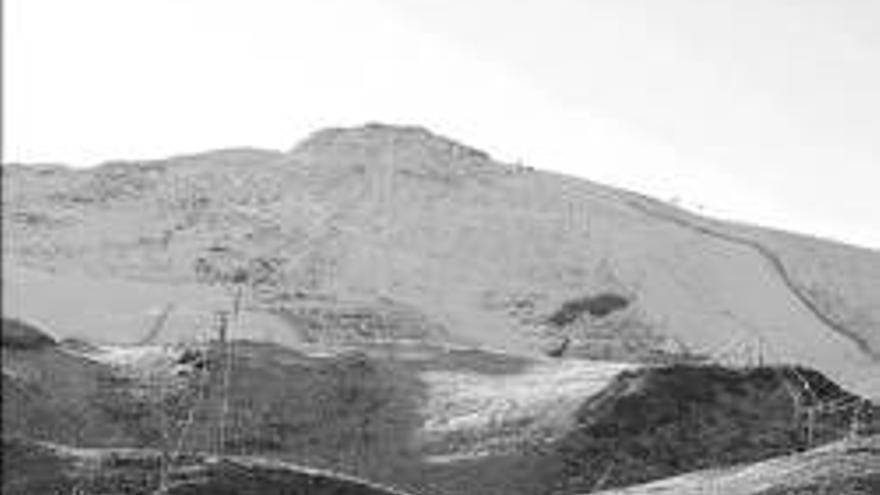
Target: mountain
[381, 232]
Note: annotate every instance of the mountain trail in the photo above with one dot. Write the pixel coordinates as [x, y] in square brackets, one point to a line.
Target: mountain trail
[776, 265]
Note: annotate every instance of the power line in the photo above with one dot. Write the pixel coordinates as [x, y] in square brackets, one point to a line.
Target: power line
[227, 369]
[191, 413]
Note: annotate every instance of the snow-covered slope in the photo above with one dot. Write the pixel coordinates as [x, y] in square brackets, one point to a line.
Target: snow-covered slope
[382, 232]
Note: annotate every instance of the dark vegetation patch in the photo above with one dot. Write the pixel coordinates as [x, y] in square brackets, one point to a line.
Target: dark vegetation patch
[658, 422]
[53, 395]
[598, 306]
[30, 468]
[19, 335]
[144, 415]
[347, 412]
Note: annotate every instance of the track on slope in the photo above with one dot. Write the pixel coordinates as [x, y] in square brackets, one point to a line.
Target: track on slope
[775, 263]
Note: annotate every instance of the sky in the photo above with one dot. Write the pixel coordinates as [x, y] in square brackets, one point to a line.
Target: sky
[765, 111]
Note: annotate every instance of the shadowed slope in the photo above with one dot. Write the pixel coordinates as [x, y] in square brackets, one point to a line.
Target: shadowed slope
[20, 335]
[31, 468]
[425, 418]
[846, 468]
[658, 422]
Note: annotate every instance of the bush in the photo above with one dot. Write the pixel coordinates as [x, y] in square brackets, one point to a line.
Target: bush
[597, 306]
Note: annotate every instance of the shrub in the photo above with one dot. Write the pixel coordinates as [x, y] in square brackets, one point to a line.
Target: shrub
[597, 306]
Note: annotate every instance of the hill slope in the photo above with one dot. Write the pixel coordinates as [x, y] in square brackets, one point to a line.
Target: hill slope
[41, 467]
[844, 468]
[427, 419]
[381, 232]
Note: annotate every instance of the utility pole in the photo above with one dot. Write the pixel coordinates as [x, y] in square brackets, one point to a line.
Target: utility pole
[227, 350]
[220, 352]
[810, 426]
[222, 336]
[858, 421]
[158, 386]
[157, 392]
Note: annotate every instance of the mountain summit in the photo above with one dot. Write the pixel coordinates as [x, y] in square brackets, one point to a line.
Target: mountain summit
[385, 138]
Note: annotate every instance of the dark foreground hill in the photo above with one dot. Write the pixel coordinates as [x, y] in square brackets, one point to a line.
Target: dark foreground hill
[422, 418]
[849, 467]
[17, 334]
[652, 423]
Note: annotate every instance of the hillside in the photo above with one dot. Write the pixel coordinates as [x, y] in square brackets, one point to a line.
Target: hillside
[653, 423]
[381, 232]
[845, 468]
[401, 415]
[419, 417]
[41, 467]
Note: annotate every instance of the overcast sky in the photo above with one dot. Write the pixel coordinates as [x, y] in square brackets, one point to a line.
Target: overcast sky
[761, 110]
